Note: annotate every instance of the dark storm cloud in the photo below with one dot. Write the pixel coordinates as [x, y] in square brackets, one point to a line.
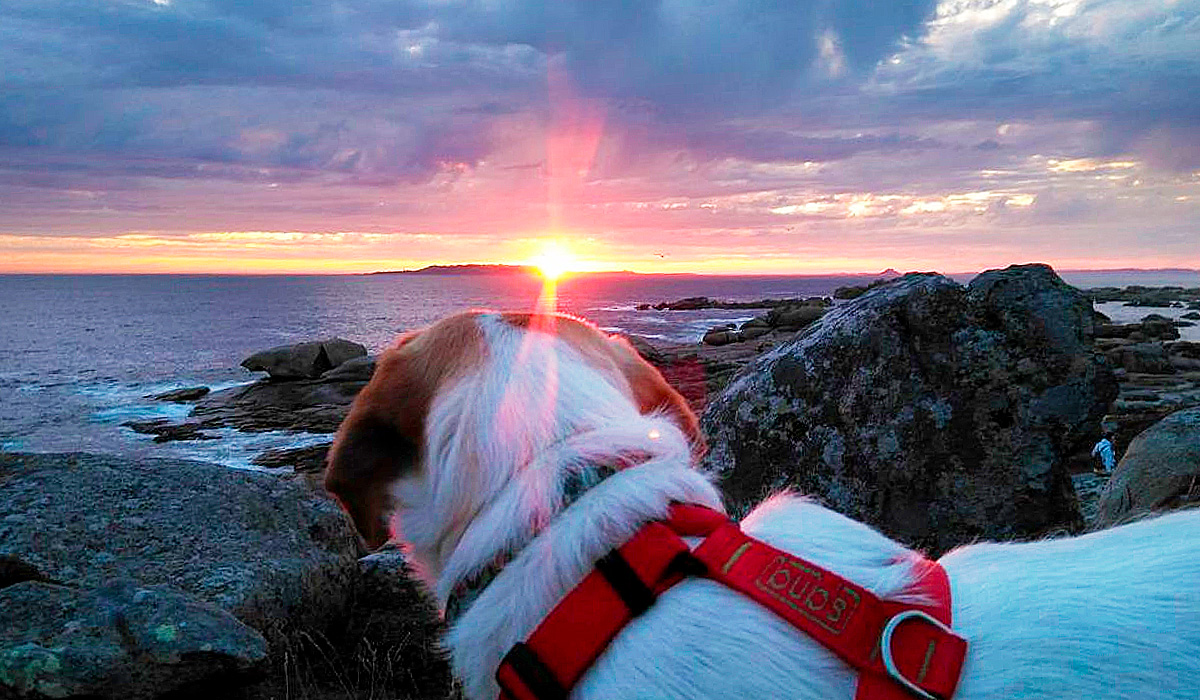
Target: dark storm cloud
[171, 80]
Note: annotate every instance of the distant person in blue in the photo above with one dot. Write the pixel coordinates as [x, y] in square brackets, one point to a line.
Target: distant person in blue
[1103, 452]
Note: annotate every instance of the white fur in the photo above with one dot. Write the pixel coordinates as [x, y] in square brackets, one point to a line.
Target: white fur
[1114, 614]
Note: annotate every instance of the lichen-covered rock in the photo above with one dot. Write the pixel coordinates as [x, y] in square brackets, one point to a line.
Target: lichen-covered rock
[120, 641]
[304, 360]
[938, 413]
[1160, 470]
[272, 552]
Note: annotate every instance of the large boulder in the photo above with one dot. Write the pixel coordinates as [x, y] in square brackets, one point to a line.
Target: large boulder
[272, 552]
[119, 641]
[1160, 470]
[304, 360]
[938, 413]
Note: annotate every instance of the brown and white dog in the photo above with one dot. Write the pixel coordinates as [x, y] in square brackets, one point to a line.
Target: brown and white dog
[465, 439]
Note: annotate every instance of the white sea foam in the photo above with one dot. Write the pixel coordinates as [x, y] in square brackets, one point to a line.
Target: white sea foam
[237, 450]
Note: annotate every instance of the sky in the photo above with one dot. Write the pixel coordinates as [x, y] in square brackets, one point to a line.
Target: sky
[726, 136]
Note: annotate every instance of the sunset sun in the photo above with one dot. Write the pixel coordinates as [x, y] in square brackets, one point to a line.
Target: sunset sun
[554, 260]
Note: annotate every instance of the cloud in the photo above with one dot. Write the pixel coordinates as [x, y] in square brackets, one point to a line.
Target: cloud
[1125, 67]
[721, 120]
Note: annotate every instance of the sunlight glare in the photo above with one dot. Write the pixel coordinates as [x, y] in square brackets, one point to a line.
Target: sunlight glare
[555, 260]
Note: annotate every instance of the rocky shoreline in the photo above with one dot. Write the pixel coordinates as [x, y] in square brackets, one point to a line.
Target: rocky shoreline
[938, 412]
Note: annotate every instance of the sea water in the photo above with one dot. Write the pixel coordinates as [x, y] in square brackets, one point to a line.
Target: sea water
[82, 354]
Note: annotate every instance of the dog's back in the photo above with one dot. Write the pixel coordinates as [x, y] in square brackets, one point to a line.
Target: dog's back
[1112, 614]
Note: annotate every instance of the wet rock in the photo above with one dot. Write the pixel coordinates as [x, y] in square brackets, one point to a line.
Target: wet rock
[304, 360]
[1136, 295]
[309, 459]
[938, 413]
[793, 318]
[120, 641]
[696, 303]
[315, 406]
[14, 570]
[786, 318]
[1143, 358]
[1160, 470]
[164, 430]
[182, 395]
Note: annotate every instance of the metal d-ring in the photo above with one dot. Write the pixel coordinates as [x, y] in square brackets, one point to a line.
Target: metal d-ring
[885, 648]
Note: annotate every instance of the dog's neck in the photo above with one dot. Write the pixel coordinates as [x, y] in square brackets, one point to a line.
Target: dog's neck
[575, 484]
[562, 553]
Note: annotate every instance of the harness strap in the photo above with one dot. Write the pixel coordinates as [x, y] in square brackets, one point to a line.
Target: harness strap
[846, 618]
[579, 628]
[900, 650]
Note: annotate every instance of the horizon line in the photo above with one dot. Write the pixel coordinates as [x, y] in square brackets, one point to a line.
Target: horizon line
[506, 268]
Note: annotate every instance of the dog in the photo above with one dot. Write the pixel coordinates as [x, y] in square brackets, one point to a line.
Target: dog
[467, 440]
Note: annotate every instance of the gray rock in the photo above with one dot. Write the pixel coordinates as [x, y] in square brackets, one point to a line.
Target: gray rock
[273, 553]
[357, 369]
[309, 459]
[119, 641]
[164, 430]
[1160, 470]
[1185, 348]
[304, 360]
[1151, 327]
[795, 317]
[316, 406]
[937, 413]
[1143, 358]
[182, 395]
[1160, 327]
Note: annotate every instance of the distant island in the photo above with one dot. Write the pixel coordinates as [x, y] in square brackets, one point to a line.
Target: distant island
[470, 269]
[481, 269]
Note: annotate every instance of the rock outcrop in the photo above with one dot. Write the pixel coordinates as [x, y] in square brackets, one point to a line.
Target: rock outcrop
[185, 395]
[938, 413]
[119, 641]
[146, 578]
[1160, 470]
[304, 360]
[784, 319]
[270, 551]
[307, 405]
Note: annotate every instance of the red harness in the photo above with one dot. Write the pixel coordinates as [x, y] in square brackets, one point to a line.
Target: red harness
[899, 650]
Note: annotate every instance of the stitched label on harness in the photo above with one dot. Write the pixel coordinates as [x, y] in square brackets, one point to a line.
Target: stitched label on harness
[803, 589]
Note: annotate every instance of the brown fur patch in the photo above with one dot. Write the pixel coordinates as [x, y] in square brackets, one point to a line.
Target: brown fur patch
[383, 436]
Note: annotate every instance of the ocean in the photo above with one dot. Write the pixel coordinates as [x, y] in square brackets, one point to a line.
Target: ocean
[83, 353]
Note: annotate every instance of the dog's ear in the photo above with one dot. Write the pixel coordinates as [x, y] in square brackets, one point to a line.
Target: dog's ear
[367, 456]
[378, 442]
[652, 392]
[382, 437]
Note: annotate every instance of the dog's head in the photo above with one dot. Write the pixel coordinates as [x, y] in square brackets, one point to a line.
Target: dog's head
[474, 391]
